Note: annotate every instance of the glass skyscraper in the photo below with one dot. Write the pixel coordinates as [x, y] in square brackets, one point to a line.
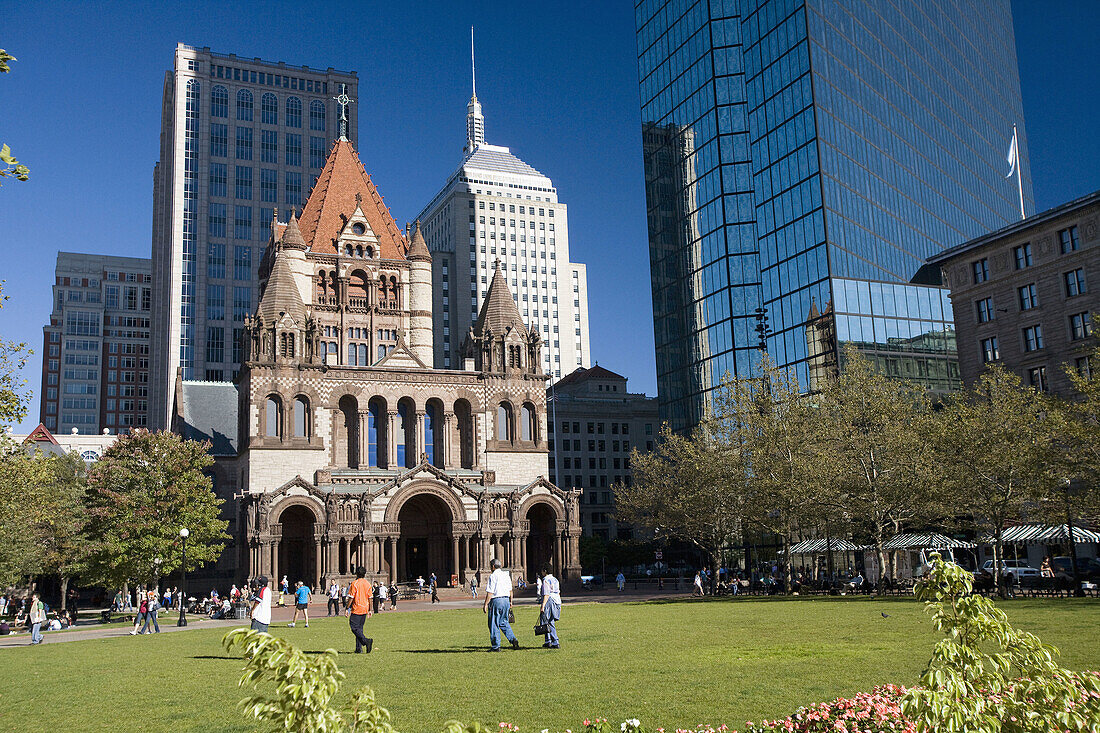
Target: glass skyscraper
[803, 158]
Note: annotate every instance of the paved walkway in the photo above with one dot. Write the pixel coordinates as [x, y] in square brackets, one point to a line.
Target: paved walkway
[449, 599]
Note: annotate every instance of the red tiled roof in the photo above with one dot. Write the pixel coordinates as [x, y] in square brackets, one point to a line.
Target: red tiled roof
[332, 202]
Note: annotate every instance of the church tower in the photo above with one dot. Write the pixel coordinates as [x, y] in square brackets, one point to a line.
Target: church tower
[420, 297]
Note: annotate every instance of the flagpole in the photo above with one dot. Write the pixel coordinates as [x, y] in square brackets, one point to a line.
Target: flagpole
[1019, 171]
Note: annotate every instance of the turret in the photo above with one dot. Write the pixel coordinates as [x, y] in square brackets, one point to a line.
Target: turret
[420, 297]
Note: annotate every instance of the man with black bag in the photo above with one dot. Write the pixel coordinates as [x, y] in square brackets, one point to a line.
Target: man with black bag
[498, 604]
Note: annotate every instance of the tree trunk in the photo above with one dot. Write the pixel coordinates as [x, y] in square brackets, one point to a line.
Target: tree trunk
[64, 592]
[998, 563]
[787, 569]
[880, 553]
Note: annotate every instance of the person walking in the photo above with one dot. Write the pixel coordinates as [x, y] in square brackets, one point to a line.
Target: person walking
[551, 607]
[36, 617]
[334, 598]
[498, 602]
[142, 612]
[473, 588]
[377, 596]
[284, 587]
[697, 585]
[151, 613]
[620, 581]
[393, 595]
[383, 591]
[434, 585]
[360, 609]
[302, 597]
[261, 605]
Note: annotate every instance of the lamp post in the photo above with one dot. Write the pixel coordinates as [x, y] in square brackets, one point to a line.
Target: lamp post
[1077, 591]
[184, 532]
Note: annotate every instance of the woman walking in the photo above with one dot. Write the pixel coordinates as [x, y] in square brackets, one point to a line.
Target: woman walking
[142, 612]
[550, 590]
[393, 595]
[151, 613]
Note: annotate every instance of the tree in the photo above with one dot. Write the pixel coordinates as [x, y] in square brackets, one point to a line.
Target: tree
[1081, 437]
[141, 492]
[11, 167]
[691, 488]
[881, 460]
[13, 397]
[997, 445]
[779, 430]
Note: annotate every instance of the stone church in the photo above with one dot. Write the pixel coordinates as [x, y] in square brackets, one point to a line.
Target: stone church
[350, 449]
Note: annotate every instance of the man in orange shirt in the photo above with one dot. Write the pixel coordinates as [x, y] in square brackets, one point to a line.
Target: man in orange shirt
[360, 594]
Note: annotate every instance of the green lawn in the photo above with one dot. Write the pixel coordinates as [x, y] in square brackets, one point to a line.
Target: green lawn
[664, 662]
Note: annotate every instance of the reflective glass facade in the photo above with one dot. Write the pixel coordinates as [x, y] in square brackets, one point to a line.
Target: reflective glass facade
[806, 157]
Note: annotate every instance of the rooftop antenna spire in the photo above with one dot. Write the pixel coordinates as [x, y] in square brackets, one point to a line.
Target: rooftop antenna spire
[475, 123]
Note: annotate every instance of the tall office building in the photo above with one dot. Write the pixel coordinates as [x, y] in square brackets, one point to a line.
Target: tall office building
[803, 158]
[240, 138]
[496, 207]
[95, 364]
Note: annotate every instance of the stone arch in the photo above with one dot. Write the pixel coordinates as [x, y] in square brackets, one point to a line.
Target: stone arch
[463, 432]
[531, 501]
[275, 513]
[377, 440]
[425, 486]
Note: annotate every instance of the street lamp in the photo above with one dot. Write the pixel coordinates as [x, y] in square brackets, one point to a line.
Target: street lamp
[184, 532]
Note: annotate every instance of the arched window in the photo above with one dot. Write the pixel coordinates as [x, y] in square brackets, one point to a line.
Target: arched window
[376, 428]
[395, 293]
[382, 288]
[273, 417]
[370, 253]
[244, 105]
[504, 422]
[286, 345]
[351, 355]
[527, 424]
[301, 417]
[333, 285]
[219, 102]
[269, 109]
[347, 250]
[363, 355]
[358, 250]
[433, 433]
[515, 357]
[316, 115]
[293, 112]
[322, 284]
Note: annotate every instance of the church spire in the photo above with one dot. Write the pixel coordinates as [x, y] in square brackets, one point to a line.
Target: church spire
[475, 122]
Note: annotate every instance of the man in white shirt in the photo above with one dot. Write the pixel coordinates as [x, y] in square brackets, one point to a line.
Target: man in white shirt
[498, 601]
[261, 605]
[334, 599]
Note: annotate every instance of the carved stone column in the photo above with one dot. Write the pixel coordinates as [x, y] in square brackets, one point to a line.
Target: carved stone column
[448, 425]
[420, 436]
[393, 422]
[364, 461]
[317, 570]
[380, 547]
[275, 563]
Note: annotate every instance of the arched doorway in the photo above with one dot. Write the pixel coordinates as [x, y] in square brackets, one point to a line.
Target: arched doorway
[425, 543]
[541, 539]
[298, 547]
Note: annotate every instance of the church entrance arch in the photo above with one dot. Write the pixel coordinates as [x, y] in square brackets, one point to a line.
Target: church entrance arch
[541, 539]
[298, 546]
[425, 545]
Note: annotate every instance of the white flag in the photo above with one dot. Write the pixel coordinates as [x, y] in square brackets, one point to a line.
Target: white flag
[1012, 157]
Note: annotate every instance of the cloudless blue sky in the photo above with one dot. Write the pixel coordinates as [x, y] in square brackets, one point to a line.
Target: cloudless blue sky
[557, 81]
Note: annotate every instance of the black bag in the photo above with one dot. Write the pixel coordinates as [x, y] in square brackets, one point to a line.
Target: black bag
[511, 616]
[541, 629]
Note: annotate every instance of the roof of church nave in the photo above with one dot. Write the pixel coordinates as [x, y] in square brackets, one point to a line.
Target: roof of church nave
[333, 200]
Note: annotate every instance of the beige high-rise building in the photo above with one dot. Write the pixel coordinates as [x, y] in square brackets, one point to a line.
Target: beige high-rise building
[496, 207]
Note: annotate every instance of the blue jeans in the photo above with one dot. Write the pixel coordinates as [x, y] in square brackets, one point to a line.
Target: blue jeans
[498, 619]
[36, 633]
[549, 616]
[150, 616]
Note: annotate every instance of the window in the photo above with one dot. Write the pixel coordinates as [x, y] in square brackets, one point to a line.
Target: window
[316, 152]
[317, 115]
[216, 220]
[1080, 326]
[980, 270]
[215, 303]
[244, 182]
[990, 352]
[504, 422]
[244, 105]
[215, 344]
[112, 296]
[219, 140]
[1075, 282]
[1037, 378]
[1028, 298]
[218, 179]
[244, 143]
[242, 303]
[1022, 255]
[269, 185]
[1069, 240]
[301, 417]
[293, 112]
[293, 149]
[272, 410]
[1033, 338]
[269, 146]
[242, 222]
[293, 185]
[1083, 366]
[527, 427]
[219, 102]
[215, 261]
[269, 109]
[242, 262]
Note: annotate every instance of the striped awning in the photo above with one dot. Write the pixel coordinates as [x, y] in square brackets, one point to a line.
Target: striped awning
[925, 541]
[813, 547]
[1042, 534]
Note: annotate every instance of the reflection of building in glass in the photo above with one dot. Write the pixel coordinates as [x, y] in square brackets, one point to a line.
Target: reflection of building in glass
[824, 167]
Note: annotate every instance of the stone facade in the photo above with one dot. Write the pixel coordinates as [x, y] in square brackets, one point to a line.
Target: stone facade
[353, 449]
[1041, 273]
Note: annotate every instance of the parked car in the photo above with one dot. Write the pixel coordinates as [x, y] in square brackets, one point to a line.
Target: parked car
[1015, 570]
[1087, 568]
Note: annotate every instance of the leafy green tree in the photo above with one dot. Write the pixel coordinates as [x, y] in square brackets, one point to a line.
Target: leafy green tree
[13, 396]
[141, 492]
[1081, 436]
[879, 457]
[11, 167]
[987, 676]
[691, 488]
[998, 448]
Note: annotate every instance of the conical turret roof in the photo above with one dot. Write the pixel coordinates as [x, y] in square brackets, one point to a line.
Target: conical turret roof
[418, 248]
[292, 234]
[333, 200]
[281, 294]
[499, 312]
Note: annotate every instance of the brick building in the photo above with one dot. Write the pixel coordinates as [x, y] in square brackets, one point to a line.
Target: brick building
[1023, 295]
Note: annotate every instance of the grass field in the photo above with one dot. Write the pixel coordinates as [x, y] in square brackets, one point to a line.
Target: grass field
[667, 663]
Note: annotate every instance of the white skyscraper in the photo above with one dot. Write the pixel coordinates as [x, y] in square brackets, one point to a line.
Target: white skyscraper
[239, 138]
[496, 207]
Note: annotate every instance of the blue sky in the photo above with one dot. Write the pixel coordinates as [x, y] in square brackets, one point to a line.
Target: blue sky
[557, 81]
